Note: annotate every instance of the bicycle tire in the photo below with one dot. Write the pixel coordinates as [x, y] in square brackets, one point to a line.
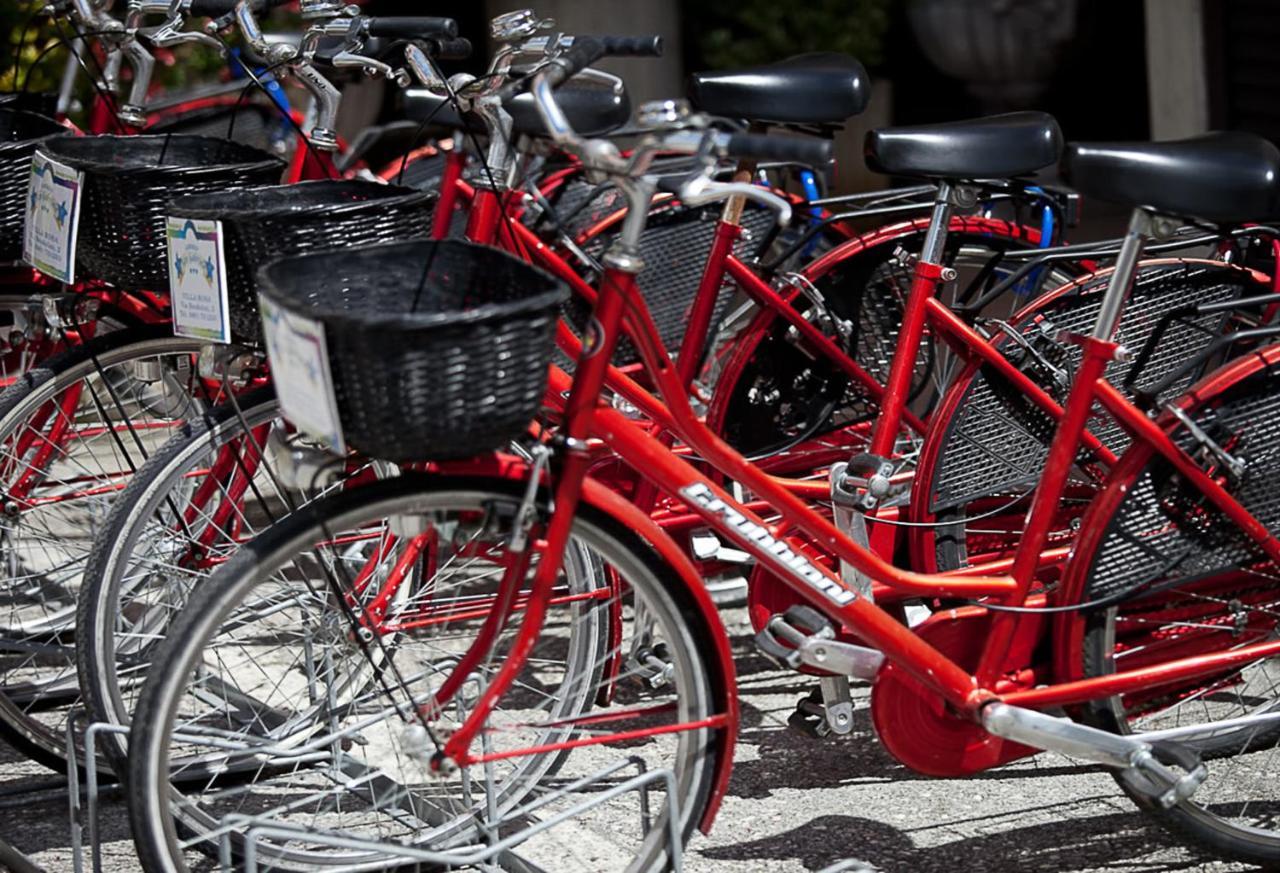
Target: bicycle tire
[1208, 554]
[99, 605]
[41, 741]
[149, 802]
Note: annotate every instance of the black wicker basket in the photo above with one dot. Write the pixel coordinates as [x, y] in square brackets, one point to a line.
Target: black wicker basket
[261, 225]
[438, 349]
[20, 133]
[40, 102]
[129, 182]
[250, 123]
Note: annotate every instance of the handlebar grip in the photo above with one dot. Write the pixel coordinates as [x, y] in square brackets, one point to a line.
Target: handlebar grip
[807, 151]
[458, 49]
[424, 27]
[649, 46]
[219, 8]
[584, 52]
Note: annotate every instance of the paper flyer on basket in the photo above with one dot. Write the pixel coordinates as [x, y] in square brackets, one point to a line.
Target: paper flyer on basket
[198, 280]
[300, 370]
[53, 218]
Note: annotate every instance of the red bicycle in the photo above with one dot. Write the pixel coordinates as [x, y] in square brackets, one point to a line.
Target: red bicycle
[466, 633]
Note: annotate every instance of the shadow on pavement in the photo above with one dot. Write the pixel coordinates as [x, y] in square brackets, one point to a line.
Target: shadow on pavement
[1096, 842]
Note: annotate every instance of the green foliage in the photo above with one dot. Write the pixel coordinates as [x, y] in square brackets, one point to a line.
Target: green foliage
[743, 32]
[32, 48]
[27, 42]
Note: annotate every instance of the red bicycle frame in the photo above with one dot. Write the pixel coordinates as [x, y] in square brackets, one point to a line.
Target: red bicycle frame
[585, 418]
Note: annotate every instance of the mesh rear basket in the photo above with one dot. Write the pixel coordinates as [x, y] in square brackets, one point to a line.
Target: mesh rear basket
[438, 349]
[674, 248]
[129, 182]
[261, 225]
[20, 134]
[1166, 533]
[998, 440]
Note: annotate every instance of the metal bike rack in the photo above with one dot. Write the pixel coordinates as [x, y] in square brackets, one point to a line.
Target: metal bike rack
[84, 813]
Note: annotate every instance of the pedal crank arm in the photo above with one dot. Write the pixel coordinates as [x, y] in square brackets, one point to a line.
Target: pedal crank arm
[1162, 783]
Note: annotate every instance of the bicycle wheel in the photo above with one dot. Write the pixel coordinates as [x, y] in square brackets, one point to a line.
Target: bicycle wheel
[215, 485]
[263, 662]
[986, 446]
[1191, 584]
[72, 431]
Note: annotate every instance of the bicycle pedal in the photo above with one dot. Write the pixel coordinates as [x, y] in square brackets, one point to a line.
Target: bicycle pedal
[1158, 776]
[804, 636]
[826, 711]
[783, 635]
[809, 717]
[653, 665]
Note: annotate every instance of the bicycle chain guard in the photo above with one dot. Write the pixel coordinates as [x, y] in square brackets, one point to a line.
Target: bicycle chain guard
[916, 725]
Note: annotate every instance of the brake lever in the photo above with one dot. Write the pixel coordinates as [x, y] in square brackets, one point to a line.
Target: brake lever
[517, 25]
[138, 9]
[700, 190]
[423, 70]
[170, 34]
[247, 22]
[370, 67]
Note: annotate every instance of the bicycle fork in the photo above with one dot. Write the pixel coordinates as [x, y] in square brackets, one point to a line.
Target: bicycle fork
[617, 286]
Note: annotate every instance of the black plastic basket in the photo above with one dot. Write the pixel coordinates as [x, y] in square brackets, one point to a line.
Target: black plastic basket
[438, 349]
[20, 133]
[129, 182]
[261, 225]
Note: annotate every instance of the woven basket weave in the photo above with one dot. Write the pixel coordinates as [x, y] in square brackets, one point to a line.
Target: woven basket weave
[261, 225]
[20, 134]
[129, 182]
[40, 102]
[438, 349]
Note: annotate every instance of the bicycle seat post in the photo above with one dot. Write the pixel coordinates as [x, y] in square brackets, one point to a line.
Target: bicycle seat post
[1143, 226]
[928, 274]
[732, 211]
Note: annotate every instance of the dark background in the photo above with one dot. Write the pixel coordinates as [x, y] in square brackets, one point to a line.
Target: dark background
[1098, 91]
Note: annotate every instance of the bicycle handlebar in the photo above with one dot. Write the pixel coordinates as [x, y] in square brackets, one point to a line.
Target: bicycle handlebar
[586, 50]
[424, 27]
[582, 53]
[790, 149]
[457, 49]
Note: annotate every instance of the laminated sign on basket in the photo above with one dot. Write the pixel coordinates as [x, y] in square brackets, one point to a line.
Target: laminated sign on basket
[198, 280]
[300, 371]
[53, 219]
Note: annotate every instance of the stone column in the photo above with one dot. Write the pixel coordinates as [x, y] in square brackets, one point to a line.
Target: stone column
[1177, 82]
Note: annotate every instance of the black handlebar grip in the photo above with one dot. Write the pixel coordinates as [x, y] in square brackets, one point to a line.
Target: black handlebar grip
[219, 8]
[796, 150]
[424, 27]
[631, 46]
[458, 49]
[584, 52]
